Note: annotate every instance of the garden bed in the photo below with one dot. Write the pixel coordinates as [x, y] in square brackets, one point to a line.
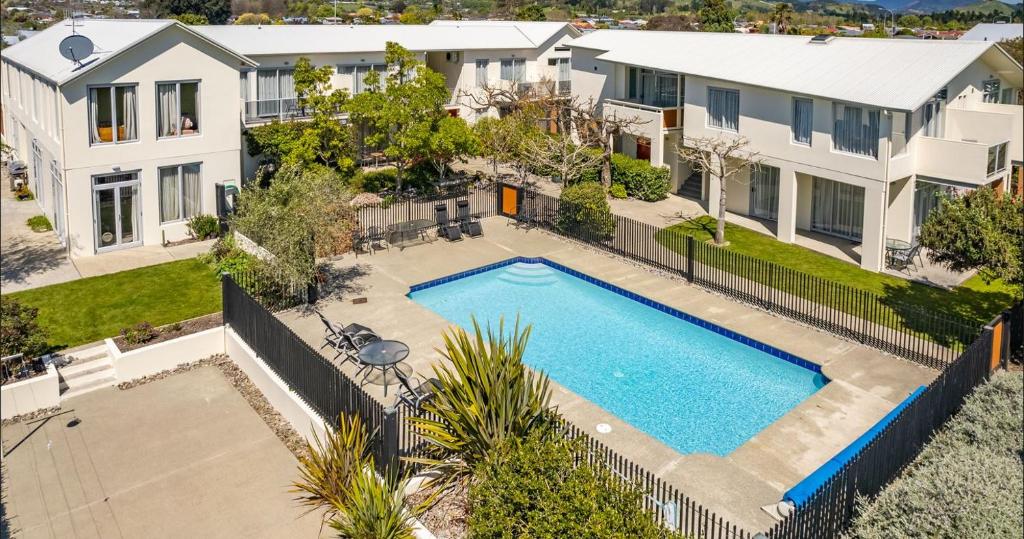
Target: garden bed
[173, 331]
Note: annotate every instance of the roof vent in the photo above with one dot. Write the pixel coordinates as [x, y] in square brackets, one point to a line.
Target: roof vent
[822, 39]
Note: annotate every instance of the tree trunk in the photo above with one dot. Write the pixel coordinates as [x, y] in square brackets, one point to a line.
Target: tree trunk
[495, 163]
[398, 178]
[720, 226]
[606, 166]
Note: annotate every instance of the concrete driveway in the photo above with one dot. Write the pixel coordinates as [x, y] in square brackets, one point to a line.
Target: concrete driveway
[28, 259]
[185, 456]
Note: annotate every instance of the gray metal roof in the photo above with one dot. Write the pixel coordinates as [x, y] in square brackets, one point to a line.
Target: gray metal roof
[994, 32]
[538, 32]
[891, 73]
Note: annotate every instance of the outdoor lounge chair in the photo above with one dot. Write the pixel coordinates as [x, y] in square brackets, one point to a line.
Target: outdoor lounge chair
[345, 340]
[526, 216]
[445, 227]
[416, 391]
[469, 224]
[903, 260]
[375, 238]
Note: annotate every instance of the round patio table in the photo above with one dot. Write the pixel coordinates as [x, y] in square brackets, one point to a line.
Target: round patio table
[383, 355]
[892, 246]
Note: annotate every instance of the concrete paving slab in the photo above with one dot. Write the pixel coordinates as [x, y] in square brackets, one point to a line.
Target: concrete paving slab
[28, 259]
[185, 456]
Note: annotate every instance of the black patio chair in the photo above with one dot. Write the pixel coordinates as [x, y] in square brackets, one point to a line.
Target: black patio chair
[416, 391]
[904, 260]
[346, 340]
[359, 242]
[375, 238]
[469, 224]
[525, 217]
[445, 227]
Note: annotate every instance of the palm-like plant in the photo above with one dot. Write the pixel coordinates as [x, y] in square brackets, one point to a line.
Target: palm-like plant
[375, 508]
[782, 17]
[486, 396]
[330, 465]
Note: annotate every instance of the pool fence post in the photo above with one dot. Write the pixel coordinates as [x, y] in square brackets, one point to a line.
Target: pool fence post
[389, 445]
[690, 246]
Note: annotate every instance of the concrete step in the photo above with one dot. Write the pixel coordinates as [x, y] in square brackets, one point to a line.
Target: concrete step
[98, 383]
[82, 368]
[87, 354]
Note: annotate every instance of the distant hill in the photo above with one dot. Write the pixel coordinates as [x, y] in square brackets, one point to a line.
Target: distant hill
[933, 6]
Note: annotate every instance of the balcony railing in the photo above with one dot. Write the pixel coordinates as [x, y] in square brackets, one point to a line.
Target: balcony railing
[961, 161]
[668, 117]
[265, 110]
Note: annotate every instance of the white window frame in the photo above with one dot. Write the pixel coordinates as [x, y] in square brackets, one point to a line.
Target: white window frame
[518, 75]
[810, 130]
[113, 113]
[711, 119]
[181, 192]
[177, 92]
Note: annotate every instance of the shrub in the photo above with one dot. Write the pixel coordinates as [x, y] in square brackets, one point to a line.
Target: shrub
[375, 508]
[375, 181]
[24, 193]
[641, 180]
[968, 480]
[617, 191]
[19, 330]
[486, 395]
[225, 256]
[535, 488]
[139, 333]
[584, 212]
[39, 223]
[204, 226]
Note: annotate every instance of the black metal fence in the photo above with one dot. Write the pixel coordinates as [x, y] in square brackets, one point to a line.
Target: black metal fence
[906, 330]
[327, 390]
[481, 204]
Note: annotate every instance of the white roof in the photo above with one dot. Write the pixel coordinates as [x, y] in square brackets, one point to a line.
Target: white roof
[538, 32]
[110, 37]
[994, 32]
[253, 40]
[891, 73]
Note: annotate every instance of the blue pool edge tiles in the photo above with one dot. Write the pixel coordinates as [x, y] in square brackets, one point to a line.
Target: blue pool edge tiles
[699, 322]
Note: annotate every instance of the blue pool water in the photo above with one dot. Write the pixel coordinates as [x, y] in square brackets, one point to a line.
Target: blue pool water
[693, 389]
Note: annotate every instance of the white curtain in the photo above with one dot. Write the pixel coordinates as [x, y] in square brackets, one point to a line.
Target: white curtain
[519, 69]
[170, 196]
[837, 208]
[191, 185]
[266, 92]
[94, 111]
[802, 120]
[724, 108]
[481, 72]
[168, 104]
[506, 70]
[130, 119]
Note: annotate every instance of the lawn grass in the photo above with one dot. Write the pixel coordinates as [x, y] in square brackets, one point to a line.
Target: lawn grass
[94, 308]
[975, 300]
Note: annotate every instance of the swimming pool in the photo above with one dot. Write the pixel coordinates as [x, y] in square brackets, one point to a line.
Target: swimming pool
[695, 386]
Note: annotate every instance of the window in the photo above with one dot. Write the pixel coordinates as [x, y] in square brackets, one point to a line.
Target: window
[997, 158]
[37, 171]
[990, 89]
[33, 90]
[803, 119]
[275, 92]
[855, 130]
[358, 74]
[654, 88]
[1009, 96]
[900, 129]
[180, 192]
[113, 114]
[837, 208]
[177, 108]
[481, 72]
[54, 121]
[724, 109]
[513, 69]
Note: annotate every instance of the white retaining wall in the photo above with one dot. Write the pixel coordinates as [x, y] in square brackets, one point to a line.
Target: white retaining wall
[27, 396]
[165, 355]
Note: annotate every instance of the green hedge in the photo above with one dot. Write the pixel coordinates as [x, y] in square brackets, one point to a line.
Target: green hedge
[641, 180]
[968, 480]
[534, 488]
[584, 212]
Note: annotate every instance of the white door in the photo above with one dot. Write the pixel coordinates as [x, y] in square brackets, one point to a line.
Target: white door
[117, 211]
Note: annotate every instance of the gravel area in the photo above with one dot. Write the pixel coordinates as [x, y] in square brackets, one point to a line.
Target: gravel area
[277, 423]
[446, 519]
[42, 412]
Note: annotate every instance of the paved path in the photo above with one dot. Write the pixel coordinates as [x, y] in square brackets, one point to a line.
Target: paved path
[185, 456]
[28, 259]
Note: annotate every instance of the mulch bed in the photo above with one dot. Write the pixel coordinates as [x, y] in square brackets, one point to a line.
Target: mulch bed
[175, 330]
[446, 519]
[277, 423]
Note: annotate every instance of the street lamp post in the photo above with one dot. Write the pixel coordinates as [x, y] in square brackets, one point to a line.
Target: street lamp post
[893, 14]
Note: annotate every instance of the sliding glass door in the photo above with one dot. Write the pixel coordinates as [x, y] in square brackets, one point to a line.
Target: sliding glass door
[117, 211]
[838, 209]
[764, 192]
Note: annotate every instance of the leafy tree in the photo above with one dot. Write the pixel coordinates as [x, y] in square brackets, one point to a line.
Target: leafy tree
[191, 19]
[673, 23]
[303, 214]
[583, 212]
[782, 17]
[716, 16]
[452, 140]
[494, 142]
[398, 6]
[562, 155]
[532, 12]
[19, 331]
[253, 18]
[366, 15]
[981, 230]
[215, 11]
[1015, 47]
[402, 109]
[416, 15]
[324, 139]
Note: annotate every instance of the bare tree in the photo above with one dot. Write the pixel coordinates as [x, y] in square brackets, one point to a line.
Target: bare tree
[593, 127]
[560, 153]
[721, 157]
[510, 96]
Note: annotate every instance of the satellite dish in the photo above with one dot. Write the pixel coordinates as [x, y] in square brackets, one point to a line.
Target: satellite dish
[76, 48]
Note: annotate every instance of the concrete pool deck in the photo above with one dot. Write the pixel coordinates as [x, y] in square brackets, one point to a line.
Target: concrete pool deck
[865, 383]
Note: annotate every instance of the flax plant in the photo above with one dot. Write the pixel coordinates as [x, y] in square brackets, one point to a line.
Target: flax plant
[376, 508]
[486, 396]
[330, 465]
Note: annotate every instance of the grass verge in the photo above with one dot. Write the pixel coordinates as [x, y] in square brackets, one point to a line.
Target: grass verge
[94, 308]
